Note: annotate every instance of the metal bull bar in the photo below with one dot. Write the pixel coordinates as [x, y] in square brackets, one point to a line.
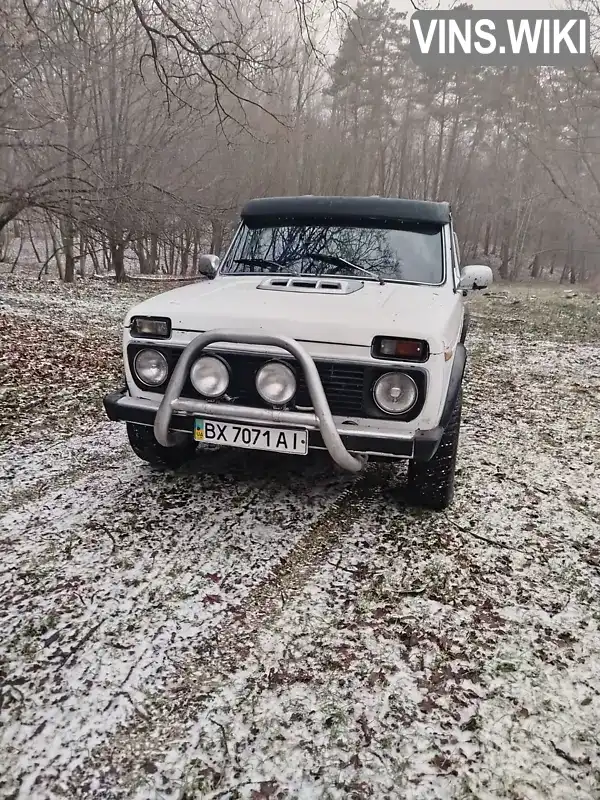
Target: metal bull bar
[321, 419]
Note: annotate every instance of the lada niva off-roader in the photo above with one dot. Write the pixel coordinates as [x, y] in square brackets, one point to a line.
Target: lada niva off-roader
[332, 323]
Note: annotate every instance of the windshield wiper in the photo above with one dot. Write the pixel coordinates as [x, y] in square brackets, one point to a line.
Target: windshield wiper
[259, 262]
[341, 262]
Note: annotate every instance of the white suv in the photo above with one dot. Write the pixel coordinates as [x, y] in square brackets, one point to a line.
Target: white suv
[332, 323]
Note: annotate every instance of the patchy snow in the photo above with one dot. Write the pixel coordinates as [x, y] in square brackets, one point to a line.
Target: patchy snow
[258, 628]
[140, 566]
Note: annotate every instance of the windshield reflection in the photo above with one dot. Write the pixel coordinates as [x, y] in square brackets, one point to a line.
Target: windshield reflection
[407, 255]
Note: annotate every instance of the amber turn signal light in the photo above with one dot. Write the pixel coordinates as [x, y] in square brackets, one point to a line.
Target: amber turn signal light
[404, 349]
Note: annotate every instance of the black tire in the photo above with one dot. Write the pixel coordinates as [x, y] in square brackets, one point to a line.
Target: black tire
[144, 445]
[430, 484]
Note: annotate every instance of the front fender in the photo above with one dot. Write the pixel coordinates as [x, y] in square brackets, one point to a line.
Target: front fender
[455, 380]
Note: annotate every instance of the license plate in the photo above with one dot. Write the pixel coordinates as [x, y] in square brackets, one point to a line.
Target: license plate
[253, 437]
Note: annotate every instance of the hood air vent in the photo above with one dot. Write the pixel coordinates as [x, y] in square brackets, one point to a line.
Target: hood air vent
[313, 285]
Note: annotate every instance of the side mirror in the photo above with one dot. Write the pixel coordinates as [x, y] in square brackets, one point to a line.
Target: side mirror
[475, 277]
[208, 265]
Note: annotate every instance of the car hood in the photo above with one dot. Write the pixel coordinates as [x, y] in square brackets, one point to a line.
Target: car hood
[403, 310]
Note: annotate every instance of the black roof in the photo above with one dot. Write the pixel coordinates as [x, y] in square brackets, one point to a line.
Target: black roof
[313, 207]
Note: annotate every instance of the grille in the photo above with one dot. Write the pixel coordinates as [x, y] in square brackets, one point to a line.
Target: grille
[346, 386]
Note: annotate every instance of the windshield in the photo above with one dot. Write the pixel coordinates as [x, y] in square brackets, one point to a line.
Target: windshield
[404, 254]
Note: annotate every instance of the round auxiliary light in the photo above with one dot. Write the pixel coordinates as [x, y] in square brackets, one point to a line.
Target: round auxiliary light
[151, 367]
[395, 392]
[276, 383]
[210, 376]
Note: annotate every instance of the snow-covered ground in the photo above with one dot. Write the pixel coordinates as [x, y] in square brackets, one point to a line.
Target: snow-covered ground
[252, 628]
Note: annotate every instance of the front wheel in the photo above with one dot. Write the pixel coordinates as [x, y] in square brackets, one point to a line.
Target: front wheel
[144, 445]
[431, 483]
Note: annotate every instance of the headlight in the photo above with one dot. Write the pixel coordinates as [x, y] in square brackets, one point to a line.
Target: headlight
[151, 367]
[395, 392]
[276, 383]
[210, 376]
[151, 327]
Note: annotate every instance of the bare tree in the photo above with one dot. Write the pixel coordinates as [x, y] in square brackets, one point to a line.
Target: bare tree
[132, 131]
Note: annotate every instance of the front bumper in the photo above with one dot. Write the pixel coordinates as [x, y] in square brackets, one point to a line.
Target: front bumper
[121, 406]
[345, 443]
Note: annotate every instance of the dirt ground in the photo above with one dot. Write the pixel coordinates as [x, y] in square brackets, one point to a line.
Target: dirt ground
[252, 628]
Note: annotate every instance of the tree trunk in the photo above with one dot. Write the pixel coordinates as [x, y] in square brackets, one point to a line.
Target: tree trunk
[583, 268]
[4, 244]
[83, 248]
[7, 214]
[57, 248]
[117, 258]
[18, 256]
[505, 257]
[32, 242]
[440, 150]
[404, 148]
[185, 252]
[536, 266]
[141, 254]
[216, 242]
[425, 160]
[94, 257]
[153, 255]
[66, 230]
[486, 242]
[573, 275]
[171, 257]
[568, 268]
[516, 268]
[195, 255]
[494, 247]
